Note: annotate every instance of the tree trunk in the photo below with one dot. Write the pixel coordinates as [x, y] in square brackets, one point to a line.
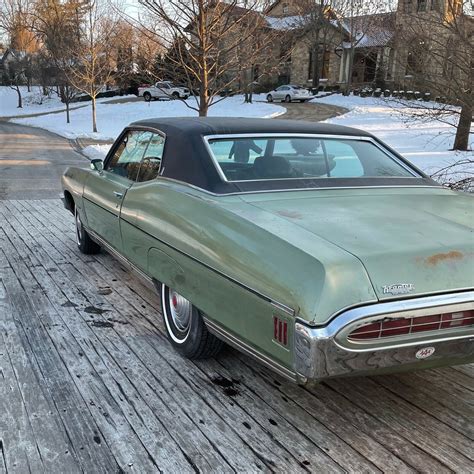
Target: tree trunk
[94, 118]
[203, 107]
[347, 90]
[315, 71]
[68, 119]
[461, 142]
[20, 101]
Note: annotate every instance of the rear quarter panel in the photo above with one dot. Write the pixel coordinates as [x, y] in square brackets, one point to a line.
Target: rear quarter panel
[229, 267]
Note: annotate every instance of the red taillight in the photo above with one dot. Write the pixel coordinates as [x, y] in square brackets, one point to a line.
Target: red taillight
[401, 326]
[280, 330]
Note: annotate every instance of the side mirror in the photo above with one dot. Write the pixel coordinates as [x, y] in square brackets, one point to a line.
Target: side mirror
[97, 165]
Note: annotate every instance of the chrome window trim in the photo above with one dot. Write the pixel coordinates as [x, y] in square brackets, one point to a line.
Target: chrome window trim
[296, 190]
[338, 329]
[230, 136]
[132, 128]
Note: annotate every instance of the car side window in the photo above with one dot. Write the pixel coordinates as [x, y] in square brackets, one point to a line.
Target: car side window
[128, 155]
[151, 161]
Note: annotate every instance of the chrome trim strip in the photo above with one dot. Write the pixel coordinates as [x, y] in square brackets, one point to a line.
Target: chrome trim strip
[296, 190]
[238, 344]
[230, 136]
[347, 321]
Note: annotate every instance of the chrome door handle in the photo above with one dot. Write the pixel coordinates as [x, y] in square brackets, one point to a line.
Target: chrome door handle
[118, 195]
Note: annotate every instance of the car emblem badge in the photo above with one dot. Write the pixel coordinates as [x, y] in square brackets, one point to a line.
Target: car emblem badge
[398, 288]
[425, 352]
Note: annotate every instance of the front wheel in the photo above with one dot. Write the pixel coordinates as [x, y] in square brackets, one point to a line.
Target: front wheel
[175, 95]
[185, 327]
[147, 96]
[85, 244]
[269, 98]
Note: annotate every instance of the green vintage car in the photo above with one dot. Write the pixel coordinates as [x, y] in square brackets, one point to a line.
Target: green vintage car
[315, 248]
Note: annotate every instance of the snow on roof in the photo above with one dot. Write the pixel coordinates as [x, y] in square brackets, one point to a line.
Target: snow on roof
[286, 22]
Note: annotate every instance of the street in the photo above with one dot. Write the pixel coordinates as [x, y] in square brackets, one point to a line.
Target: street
[32, 162]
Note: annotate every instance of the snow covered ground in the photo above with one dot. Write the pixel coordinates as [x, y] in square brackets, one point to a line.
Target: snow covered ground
[426, 143]
[112, 118]
[34, 102]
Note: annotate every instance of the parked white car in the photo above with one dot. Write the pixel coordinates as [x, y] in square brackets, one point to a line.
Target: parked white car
[163, 90]
[289, 93]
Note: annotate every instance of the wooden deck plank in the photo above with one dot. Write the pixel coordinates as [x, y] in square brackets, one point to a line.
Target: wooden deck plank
[88, 371]
[434, 437]
[163, 370]
[93, 291]
[307, 410]
[433, 401]
[153, 410]
[321, 401]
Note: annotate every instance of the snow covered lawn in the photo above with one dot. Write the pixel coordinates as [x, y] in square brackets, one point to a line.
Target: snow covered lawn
[426, 143]
[34, 102]
[112, 118]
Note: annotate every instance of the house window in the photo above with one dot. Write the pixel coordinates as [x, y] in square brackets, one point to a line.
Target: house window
[285, 7]
[324, 68]
[407, 6]
[421, 6]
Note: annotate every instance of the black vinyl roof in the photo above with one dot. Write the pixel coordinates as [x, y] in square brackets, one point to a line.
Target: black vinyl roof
[222, 125]
[186, 157]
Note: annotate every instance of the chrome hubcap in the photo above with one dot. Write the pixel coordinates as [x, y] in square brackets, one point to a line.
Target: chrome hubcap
[79, 229]
[181, 310]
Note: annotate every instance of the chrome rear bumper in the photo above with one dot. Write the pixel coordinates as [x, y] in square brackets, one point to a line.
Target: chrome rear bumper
[325, 352]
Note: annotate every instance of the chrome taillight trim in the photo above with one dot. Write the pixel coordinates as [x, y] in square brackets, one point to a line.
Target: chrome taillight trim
[346, 322]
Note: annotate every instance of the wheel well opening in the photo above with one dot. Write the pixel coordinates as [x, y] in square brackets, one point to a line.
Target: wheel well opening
[69, 201]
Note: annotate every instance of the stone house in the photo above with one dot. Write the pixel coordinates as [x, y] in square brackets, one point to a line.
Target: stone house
[382, 47]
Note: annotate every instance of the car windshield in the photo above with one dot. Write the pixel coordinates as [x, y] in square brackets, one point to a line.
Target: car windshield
[309, 157]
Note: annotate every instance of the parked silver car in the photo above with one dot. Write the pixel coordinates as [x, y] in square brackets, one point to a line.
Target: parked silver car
[289, 93]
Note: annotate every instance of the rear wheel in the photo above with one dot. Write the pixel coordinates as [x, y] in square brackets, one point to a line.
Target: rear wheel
[185, 327]
[147, 96]
[269, 98]
[288, 99]
[85, 244]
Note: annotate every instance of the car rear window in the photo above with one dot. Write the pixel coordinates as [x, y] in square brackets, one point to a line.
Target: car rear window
[256, 158]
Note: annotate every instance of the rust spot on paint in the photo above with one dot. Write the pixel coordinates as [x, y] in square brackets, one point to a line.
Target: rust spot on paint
[443, 257]
[290, 214]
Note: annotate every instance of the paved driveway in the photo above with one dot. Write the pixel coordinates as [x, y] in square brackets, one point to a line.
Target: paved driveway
[32, 162]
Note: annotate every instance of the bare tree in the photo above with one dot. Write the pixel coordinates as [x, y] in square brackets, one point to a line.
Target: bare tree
[91, 65]
[214, 43]
[15, 23]
[437, 50]
[317, 25]
[58, 25]
[358, 19]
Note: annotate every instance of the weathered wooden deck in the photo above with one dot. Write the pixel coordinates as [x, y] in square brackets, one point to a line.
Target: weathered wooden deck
[89, 383]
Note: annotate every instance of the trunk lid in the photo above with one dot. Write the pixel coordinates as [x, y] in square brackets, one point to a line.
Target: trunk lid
[412, 241]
